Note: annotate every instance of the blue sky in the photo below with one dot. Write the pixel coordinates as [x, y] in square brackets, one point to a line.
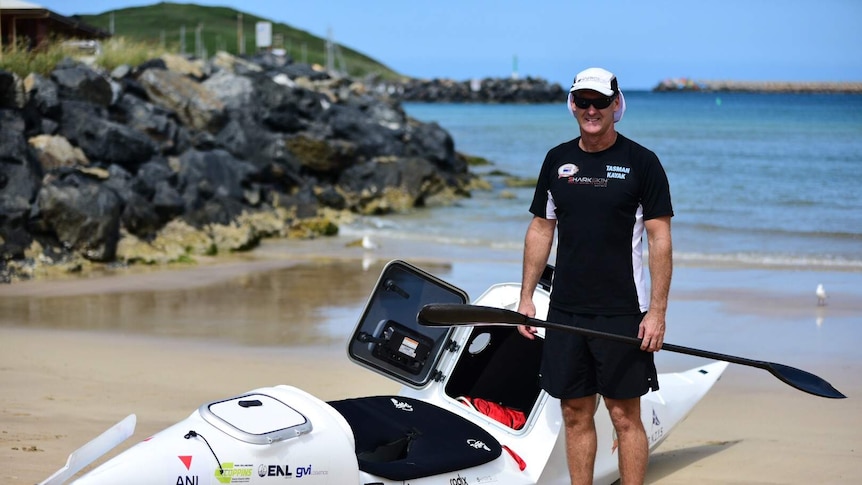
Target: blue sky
[642, 41]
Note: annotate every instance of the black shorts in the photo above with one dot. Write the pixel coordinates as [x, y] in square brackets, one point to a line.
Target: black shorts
[574, 366]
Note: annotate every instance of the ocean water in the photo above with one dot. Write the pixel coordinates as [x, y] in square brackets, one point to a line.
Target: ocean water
[757, 180]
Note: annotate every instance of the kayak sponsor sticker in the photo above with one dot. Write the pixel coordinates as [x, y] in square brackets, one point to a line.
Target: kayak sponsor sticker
[188, 478]
[477, 444]
[232, 473]
[458, 480]
[187, 461]
[286, 471]
[404, 406]
[656, 429]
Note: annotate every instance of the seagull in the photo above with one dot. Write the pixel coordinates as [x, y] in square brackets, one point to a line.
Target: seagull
[821, 295]
[367, 243]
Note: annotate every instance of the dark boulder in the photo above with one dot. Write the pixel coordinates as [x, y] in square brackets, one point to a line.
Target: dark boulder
[103, 140]
[167, 202]
[43, 95]
[139, 215]
[157, 123]
[321, 157]
[82, 214]
[11, 95]
[284, 108]
[212, 175]
[20, 179]
[79, 82]
[433, 143]
[370, 137]
[381, 187]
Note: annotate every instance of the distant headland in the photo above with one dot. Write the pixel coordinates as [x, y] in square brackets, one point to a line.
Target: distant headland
[687, 84]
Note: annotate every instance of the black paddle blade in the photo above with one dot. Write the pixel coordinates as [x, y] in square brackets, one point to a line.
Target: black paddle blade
[804, 381]
[449, 314]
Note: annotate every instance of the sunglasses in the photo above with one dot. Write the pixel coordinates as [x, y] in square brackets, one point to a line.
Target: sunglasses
[598, 103]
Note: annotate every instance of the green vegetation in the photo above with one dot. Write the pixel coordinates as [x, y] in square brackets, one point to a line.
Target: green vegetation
[119, 50]
[42, 60]
[22, 62]
[476, 161]
[520, 182]
[202, 31]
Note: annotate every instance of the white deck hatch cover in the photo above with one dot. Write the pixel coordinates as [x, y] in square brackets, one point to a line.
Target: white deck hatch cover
[256, 418]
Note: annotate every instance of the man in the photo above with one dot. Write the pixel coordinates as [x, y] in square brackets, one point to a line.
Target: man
[600, 192]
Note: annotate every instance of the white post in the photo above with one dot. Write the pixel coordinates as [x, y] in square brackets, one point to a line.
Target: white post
[330, 64]
[240, 40]
[198, 46]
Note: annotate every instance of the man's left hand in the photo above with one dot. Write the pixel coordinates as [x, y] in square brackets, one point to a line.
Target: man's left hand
[651, 332]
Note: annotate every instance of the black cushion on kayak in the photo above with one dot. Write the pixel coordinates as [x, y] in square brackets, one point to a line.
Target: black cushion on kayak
[401, 438]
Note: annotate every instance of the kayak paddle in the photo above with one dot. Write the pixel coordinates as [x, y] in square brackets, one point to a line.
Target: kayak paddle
[450, 314]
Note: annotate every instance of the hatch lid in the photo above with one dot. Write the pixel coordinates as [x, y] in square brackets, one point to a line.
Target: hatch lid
[256, 418]
[388, 339]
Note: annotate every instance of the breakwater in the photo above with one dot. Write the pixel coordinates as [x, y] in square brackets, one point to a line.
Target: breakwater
[687, 84]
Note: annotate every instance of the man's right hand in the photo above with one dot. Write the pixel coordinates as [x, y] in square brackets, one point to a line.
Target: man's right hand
[528, 309]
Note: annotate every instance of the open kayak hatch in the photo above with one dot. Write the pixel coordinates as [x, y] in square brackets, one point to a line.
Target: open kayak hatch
[389, 340]
[493, 371]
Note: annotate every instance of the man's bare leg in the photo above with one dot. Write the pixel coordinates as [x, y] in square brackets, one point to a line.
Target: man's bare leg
[580, 438]
[633, 446]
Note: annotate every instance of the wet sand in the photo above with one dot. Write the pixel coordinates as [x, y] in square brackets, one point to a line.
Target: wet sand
[81, 354]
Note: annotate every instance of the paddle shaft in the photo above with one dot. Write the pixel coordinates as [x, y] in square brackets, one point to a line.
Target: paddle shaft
[636, 341]
[448, 314]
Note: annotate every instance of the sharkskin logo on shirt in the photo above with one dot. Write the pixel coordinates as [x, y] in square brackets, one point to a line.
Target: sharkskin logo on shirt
[567, 170]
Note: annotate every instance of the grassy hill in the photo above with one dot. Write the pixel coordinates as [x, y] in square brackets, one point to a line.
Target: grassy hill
[218, 29]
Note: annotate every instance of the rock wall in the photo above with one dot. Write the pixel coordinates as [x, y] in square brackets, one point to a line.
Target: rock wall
[687, 84]
[527, 90]
[175, 158]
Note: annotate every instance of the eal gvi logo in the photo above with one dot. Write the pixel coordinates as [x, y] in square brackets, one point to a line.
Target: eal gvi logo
[274, 471]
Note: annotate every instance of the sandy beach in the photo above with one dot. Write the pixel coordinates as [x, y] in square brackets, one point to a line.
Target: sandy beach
[64, 383]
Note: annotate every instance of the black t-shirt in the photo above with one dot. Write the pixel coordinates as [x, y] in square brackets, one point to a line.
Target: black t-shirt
[600, 201]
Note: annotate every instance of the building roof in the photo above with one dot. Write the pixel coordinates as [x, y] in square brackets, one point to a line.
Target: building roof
[22, 9]
[19, 5]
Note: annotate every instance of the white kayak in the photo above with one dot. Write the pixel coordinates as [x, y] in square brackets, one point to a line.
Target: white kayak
[470, 411]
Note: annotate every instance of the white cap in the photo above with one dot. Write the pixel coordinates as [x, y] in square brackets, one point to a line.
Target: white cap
[596, 79]
[599, 80]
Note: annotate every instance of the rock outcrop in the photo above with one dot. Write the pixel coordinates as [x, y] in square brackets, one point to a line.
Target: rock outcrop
[527, 90]
[173, 158]
[688, 84]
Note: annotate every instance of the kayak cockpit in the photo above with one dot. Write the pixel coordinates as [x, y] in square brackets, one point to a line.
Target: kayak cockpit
[402, 438]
